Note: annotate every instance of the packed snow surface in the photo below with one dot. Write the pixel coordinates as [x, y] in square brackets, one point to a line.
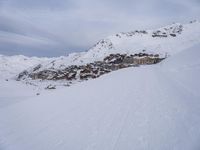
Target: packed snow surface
[144, 108]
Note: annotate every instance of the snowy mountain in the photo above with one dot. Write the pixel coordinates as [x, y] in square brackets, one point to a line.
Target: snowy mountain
[164, 41]
[122, 50]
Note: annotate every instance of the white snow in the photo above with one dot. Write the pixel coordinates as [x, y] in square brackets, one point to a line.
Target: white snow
[145, 108]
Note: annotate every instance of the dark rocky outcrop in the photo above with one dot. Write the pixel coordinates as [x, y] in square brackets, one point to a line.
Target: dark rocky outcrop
[130, 34]
[23, 74]
[172, 34]
[92, 70]
[51, 87]
[172, 31]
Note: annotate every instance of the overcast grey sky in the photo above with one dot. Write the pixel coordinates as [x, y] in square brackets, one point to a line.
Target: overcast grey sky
[57, 27]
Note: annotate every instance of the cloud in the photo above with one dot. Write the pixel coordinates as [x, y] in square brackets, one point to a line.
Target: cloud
[50, 27]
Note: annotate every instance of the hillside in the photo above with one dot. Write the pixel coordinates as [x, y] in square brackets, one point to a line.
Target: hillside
[150, 41]
[164, 41]
[127, 49]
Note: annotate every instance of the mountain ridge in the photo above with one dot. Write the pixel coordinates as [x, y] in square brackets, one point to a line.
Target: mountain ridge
[166, 40]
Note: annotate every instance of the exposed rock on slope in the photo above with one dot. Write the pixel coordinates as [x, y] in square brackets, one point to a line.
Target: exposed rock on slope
[91, 70]
[168, 31]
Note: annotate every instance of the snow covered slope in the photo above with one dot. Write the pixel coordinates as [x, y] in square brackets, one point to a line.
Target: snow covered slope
[153, 107]
[184, 68]
[169, 39]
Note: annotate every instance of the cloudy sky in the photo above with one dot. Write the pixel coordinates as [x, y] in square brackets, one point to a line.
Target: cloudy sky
[58, 27]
